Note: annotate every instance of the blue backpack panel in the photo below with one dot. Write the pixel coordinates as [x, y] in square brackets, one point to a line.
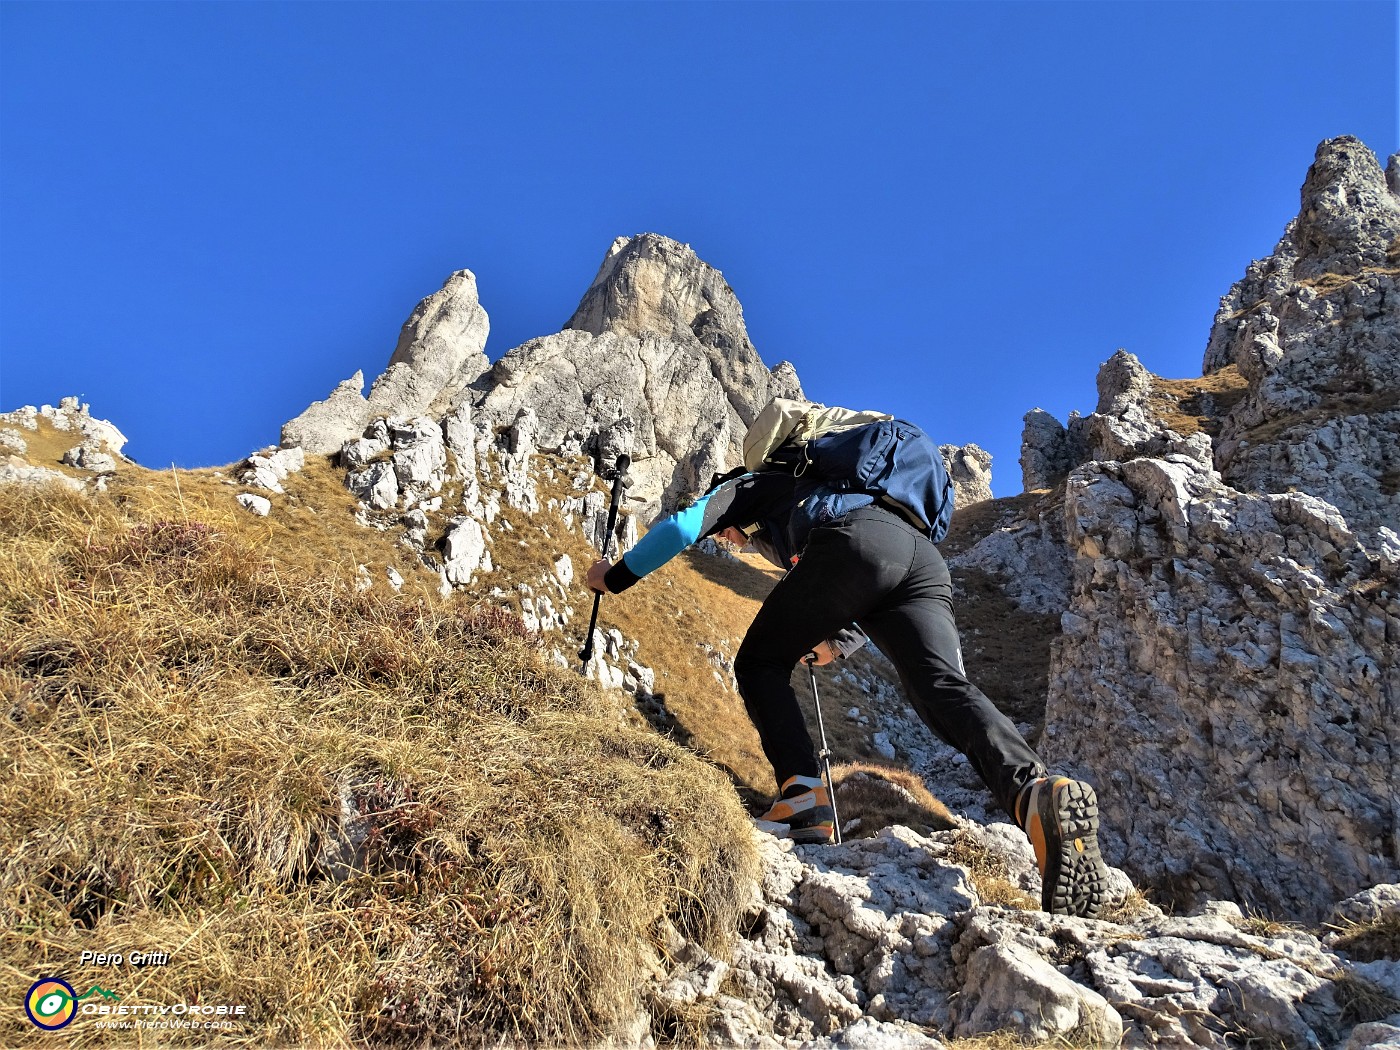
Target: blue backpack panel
[891, 461]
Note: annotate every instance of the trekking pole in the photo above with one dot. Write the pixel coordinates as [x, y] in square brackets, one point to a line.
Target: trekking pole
[619, 473]
[825, 754]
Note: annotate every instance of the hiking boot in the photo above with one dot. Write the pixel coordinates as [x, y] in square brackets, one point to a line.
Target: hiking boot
[805, 807]
[1061, 818]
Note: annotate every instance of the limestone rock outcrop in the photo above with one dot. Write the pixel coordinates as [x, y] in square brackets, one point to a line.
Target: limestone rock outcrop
[970, 469]
[1047, 453]
[441, 350]
[1227, 668]
[1315, 329]
[656, 362]
[96, 452]
[888, 942]
[1226, 675]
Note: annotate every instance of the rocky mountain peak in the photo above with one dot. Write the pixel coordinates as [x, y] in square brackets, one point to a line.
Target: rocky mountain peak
[1350, 216]
[656, 363]
[440, 351]
[650, 284]
[1313, 329]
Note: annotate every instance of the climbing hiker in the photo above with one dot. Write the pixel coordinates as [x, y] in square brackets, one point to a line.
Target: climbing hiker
[859, 561]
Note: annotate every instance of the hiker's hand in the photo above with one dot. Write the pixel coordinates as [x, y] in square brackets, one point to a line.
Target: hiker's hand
[822, 655]
[732, 535]
[596, 572]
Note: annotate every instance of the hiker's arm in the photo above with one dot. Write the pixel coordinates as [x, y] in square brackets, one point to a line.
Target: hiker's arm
[735, 503]
[846, 641]
[842, 644]
[662, 542]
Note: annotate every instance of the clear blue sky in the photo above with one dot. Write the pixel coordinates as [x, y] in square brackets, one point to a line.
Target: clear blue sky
[211, 213]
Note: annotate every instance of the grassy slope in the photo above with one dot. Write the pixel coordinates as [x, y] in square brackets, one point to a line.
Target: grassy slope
[198, 700]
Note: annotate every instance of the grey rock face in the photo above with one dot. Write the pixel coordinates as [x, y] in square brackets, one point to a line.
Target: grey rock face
[970, 469]
[326, 425]
[396, 460]
[1350, 217]
[1225, 674]
[1046, 452]
[1226, 677]
[1122, 427]
[441, 350]
[656, 362]
[1370, 905]
[1029, 557]
[884, 942]
[1313, 328]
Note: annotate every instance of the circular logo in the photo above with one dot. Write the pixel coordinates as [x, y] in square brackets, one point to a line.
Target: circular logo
[51, 1003]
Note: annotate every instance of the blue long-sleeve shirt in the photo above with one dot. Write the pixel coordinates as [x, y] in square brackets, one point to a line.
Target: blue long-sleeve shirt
[765, 500]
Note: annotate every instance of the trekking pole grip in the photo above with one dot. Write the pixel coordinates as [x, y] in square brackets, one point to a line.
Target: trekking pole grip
[619, 475]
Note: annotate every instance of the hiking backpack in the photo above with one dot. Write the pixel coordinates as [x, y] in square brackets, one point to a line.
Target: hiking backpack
[837, 453]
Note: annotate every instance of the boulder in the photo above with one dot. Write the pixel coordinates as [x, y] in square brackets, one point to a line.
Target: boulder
[90, 456]
[1015, 990]
[270, 467]
[254, 504]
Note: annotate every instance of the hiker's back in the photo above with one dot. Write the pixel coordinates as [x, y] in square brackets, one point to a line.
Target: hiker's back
[845, 459]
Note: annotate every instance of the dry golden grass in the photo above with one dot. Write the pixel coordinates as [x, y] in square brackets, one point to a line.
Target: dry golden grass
[190, 694]
[691, 609]
[1192, 406]
[1368, 941]
[690, 616]
[1362, 1000]
[880, 796]
[989, 874]
[1331, 283]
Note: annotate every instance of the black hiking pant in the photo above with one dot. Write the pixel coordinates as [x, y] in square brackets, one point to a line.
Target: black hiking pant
[873, 568]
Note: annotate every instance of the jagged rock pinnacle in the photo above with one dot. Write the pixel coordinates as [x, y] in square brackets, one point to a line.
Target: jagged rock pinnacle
[441, 350]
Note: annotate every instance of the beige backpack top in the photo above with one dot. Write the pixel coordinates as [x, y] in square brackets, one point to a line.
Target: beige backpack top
[787, 421]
